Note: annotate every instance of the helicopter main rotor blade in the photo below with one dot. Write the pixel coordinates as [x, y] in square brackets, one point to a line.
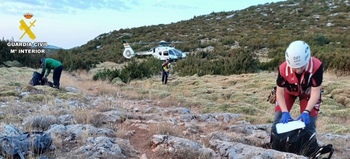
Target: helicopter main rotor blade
[164, 42]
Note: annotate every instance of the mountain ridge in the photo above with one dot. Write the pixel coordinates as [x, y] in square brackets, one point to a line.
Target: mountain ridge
[261, 32]
[322, 24]
[53, 47]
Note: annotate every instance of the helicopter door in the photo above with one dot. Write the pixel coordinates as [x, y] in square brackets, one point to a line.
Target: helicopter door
[165, 55]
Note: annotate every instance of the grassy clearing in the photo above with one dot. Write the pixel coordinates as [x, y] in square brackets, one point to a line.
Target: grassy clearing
[243, 94]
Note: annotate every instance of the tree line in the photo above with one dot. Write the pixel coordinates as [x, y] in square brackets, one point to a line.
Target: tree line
[240, 60]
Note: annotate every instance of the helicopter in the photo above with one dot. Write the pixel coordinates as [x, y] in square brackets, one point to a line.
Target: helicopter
[162, 52]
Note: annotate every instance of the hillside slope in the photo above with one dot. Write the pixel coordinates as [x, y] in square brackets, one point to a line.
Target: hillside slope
[324, 24]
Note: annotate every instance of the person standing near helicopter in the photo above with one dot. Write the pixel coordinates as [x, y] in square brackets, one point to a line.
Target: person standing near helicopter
[165, 71]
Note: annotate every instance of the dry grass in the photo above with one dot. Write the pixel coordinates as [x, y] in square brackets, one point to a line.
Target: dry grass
[84, 116]
[165, 129]
[244, 94]
[122, 131]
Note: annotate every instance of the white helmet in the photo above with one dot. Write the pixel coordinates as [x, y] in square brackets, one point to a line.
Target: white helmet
[298, 54]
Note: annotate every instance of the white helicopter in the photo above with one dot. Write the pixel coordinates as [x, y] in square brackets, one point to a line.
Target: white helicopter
[162, 52]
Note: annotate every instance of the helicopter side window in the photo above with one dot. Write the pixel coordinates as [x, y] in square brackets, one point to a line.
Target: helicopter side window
[165, 53]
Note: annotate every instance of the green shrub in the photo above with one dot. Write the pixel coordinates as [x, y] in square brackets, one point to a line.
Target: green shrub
[321, 40]
[25, 60]
[237, 62]
[132, 70]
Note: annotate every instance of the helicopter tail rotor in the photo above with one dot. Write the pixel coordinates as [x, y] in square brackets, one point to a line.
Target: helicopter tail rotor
[128, 51]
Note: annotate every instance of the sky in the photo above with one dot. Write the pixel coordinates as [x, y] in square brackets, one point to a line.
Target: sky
[71, 23]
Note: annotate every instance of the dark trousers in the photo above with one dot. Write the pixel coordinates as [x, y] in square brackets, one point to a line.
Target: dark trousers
[57, 76]
[164, 77]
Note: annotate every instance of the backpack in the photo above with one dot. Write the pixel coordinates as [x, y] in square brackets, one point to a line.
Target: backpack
[272, 96]
[38, 80]
[18, 146]
[300, 142]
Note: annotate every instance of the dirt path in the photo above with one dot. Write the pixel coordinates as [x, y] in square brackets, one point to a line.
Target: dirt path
[141, 142]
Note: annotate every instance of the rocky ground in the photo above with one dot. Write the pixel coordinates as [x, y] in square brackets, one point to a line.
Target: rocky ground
[93, 119]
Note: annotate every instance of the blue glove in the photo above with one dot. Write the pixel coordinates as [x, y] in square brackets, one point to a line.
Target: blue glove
[285, 117]
[305, 117]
